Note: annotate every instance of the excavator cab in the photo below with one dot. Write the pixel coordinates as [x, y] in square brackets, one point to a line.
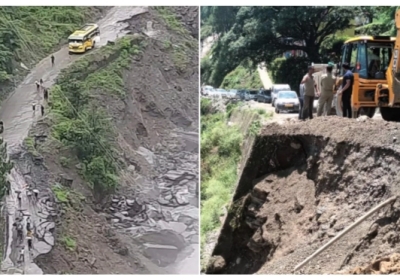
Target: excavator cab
[369, 58]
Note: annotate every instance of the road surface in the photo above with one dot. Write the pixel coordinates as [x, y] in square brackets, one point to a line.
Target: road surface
[17, 114]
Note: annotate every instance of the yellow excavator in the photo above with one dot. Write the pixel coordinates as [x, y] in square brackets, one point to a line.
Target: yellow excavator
[387, 93]
[369, 58]
[376, 68]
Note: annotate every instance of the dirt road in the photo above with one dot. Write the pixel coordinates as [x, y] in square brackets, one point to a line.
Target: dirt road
[18, 116]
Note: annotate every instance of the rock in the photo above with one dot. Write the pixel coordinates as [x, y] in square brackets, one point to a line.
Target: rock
[216, 265]
[115, 220]
[131, 168]
[65, 181]
[79, 166]
[182, 200]
[173, 175]
[331, 233]
[49, 238]
[130, 202]
[147, 154]
[174, 226]
[42, 247]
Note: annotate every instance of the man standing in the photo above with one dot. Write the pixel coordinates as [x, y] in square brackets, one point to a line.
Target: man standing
[346, 91]
[327, 84]
[310, 88]
[52, 60]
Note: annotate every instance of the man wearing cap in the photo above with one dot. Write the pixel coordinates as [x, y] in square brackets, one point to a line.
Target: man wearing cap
[327, 84]
[310, 88]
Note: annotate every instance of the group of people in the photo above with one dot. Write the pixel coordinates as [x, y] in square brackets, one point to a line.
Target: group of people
[33, 195]
[327, 85]
[41, 88]
[19, 227]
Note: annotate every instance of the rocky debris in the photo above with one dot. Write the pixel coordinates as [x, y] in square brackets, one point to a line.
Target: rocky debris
[386, 265]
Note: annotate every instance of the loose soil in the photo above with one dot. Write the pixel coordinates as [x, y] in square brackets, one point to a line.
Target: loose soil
[303, 183]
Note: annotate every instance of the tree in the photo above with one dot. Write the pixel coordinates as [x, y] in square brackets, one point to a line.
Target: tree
[5, 168]
[264, 33]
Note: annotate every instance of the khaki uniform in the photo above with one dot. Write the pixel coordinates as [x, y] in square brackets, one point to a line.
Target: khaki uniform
[325, 100]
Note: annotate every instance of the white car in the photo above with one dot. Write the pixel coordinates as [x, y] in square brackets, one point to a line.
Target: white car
[287, 101]
[207, 90]
[222, 92]
[276, 89]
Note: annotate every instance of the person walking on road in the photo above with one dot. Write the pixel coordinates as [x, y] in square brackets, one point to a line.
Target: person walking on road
[45, 94]
[28, 223]
[21, 258]
[346, 91]
[37, 86]
[29, 236]
[310, 88]
[36, 192]
[326, 98]
[42, 109]
[52, 60]
[19, 197]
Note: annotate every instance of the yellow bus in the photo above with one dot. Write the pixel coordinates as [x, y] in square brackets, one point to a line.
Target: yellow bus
[84, 39]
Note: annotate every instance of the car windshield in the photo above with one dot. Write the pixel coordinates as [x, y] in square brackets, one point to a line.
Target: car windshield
[276, 90]
[287, 95]
[264, 92]
[253, 92]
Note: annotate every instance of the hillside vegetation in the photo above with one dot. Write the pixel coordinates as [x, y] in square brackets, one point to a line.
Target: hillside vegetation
[27, 34]
[80, 124]
[242, 77]
[255, 34]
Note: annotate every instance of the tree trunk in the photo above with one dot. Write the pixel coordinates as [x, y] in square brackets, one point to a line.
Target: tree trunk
[312, 51]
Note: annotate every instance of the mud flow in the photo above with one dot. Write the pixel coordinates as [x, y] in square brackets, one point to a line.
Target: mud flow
[301, 186]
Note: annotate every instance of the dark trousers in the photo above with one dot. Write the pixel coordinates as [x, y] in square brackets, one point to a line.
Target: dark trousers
[308, 105]
[301, 103]
[346, 99]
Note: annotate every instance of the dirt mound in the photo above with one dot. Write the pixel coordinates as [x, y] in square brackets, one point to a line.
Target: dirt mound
[387, 265]
[303, 183]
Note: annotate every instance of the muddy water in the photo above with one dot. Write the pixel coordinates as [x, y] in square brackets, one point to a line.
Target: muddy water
[17, 115]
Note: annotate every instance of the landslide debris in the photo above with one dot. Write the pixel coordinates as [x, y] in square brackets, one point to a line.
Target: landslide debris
[303, 183]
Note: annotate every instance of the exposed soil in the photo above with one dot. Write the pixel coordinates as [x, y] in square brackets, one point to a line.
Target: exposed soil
[303, 183]
[157, 124]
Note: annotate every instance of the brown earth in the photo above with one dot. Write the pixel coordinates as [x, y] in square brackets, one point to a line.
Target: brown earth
[303, 183]
[162, 99]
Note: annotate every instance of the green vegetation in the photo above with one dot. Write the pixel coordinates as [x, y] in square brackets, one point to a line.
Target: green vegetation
[221, 146]
[69, 243]
[288, 71]
[258, 34]
[5, 168]
[179, 51]
[83, 126]
[242, 78]
[171, 20]
[27, 34]
[220, 154]
[29, 143]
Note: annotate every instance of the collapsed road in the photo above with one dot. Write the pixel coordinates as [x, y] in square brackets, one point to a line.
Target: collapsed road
[303, 184]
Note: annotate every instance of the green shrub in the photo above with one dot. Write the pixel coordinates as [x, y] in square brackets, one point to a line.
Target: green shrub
[242, 78]
[289, 71]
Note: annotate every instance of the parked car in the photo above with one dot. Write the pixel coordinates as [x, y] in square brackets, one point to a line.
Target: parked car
[287, 101]
[244, 94]
[233, 93]
[276, 89]
[206, 90]
[264, 95]
[253, 93]
[222, 92]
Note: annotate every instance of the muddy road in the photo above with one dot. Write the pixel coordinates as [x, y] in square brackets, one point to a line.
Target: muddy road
[305, 182]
